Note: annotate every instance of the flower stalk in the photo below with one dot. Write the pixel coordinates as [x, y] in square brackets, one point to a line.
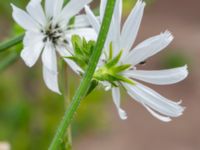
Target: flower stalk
[65, 86]
[12, 42]
[86, 81]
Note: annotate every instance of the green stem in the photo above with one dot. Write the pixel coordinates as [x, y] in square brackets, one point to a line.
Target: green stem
[10, 43]
[67, 140]
[68, 143]
[85, 82]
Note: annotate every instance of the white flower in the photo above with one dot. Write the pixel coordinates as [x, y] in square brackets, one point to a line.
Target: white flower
[48, 32]
[157, 105]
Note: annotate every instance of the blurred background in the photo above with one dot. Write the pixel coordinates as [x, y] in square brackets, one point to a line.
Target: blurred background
[30, 113]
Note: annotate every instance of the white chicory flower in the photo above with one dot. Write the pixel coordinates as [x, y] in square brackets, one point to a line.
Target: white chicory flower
[123, 39]
[48, 31]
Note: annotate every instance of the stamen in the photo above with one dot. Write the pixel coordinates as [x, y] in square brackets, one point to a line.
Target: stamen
[54, 33]
[65, 41]
[57, 26]
[45, 39]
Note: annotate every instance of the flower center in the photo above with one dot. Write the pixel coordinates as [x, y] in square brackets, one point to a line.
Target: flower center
[54, 34]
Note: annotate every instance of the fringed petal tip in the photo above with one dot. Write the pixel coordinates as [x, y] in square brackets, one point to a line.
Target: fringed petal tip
[159, 106]
[162, 117]
[13, 6]
[141, 2]
[122, 114]
[14, 9]
[186, 70]
[167, 35]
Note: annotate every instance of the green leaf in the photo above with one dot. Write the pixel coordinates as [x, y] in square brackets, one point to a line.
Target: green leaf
[114, 61]
[77, 44]
[82, 51]
[120, 68]
[110, 51]
[93, 85]
[124, 79]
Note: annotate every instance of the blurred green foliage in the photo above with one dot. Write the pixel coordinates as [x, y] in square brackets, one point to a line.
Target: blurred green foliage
[174, 59]
[128, 5]
[29, 112]
[5, 10]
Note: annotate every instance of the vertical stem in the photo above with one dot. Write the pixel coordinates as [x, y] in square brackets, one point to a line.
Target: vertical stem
[67, 141]
[86, 81]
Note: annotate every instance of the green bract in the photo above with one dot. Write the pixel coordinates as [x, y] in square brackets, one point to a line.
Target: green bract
[82, 51]
[111, 71]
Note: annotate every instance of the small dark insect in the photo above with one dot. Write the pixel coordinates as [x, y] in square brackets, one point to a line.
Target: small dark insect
[143, 63]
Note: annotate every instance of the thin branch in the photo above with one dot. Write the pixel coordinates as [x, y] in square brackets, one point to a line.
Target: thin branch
[10, 43]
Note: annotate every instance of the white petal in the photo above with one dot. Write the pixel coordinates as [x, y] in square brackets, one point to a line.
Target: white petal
[158, 116]
[72, 8]
[149, 48]
[102, 9]
[24, 19]
[114, 31]
[106, 85]
[35, 9]
[92, 19]
[64, 53]
[49, 57]
[31, 38]
[87, 33]
[159, 77]
[58, 7]
[117, 23]
[81, 21]
[116, 99]
[152, 99]
[53, 7]
[30, 54]
[131, 26]
[51, 80]
[50, 73]
[49, 7]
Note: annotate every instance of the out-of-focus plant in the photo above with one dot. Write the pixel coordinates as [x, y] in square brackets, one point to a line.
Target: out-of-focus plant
[175, 59]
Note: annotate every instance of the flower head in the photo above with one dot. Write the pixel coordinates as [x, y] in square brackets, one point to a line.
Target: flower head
[117, 67]
[48, 31]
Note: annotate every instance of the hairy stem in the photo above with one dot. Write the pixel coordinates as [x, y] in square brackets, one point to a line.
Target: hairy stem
[85, 82]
